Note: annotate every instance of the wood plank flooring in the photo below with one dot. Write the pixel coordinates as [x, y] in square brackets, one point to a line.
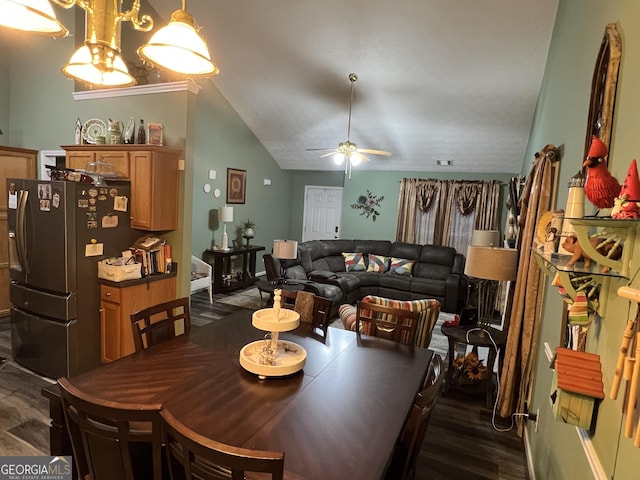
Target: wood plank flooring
[460, 443]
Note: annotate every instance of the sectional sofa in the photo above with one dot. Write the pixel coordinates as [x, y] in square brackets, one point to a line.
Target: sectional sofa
[348, 270]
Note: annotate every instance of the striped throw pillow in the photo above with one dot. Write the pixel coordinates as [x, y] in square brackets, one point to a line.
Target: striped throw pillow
[401, 266]
[378, 263]
[354, 262]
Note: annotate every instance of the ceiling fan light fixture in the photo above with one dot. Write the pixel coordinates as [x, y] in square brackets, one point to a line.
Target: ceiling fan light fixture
[338, 158]
[355, 158]
[36, 16]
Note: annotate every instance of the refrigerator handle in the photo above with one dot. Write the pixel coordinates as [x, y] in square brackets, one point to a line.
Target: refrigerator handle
[21, 230]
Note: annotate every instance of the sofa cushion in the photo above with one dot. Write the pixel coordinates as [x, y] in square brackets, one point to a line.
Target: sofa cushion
[354, 261]
[410, 251]
[378, 263]
[428, 309]
[378, 247]
[401, 266]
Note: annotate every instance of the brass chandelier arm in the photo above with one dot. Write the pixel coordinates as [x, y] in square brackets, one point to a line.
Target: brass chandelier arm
[142, 24]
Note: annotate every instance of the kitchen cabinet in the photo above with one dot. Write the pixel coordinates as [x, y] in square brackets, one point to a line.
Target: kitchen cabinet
[14, 163]
[119, 301]
[153, 171]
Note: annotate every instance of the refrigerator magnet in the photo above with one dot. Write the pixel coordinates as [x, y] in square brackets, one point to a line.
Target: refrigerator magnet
[120, 203]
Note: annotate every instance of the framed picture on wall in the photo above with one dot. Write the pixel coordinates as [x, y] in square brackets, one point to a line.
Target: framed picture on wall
[236, 185]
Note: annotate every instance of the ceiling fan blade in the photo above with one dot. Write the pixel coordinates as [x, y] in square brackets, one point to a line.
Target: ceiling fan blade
[364, 158]
[333, 152]
[373, 152]
[319, 149]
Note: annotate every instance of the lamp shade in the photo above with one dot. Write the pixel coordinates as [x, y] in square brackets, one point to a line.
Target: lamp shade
[178, 47]
[225, 214]
[285, 249]
[485, 238]
[489, 263]
[34, 16]
[82, 67]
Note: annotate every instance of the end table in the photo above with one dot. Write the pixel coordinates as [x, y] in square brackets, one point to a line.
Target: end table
[470, 335]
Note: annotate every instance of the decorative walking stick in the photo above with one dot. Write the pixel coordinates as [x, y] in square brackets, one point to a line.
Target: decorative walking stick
[630, 330]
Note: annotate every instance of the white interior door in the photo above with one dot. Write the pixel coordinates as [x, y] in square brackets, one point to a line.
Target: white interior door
[322, 212]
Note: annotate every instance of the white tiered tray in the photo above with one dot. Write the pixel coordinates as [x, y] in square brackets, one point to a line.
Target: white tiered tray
[272, 357]
[290, 358]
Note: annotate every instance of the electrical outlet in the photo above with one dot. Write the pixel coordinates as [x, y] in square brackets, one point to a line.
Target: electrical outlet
[537, 418]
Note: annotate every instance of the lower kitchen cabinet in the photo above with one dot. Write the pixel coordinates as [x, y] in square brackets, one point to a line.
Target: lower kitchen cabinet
[117, 303]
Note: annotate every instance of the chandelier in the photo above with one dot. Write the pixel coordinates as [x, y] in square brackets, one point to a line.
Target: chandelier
[177, 47]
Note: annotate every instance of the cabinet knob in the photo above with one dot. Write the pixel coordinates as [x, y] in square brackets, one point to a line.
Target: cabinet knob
[108, 294]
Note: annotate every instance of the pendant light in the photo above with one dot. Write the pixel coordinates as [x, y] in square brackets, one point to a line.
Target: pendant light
[179, 47]
[35, 16]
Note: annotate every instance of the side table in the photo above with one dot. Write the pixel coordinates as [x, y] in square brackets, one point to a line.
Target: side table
[265, 286]
[220, 260]
[469, 335]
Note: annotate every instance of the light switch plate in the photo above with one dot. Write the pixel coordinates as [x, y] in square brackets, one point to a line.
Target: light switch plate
[267, 181]
[212, 174]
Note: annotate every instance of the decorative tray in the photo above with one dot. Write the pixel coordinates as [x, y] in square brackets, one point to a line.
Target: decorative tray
[289, 358]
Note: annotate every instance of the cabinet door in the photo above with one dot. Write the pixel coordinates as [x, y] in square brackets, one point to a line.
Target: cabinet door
[154, 195]
[79, 160]
[14, 163]
[120, 161]
[110, 331]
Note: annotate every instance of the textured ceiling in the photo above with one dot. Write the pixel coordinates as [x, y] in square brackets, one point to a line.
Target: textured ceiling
[438, 80]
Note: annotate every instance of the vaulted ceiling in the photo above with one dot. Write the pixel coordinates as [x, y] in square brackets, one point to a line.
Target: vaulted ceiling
[437, 80]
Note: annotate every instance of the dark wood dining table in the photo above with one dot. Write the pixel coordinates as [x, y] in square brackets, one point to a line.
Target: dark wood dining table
[338, 418]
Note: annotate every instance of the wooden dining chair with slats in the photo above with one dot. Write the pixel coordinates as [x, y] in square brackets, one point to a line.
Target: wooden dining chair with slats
[157, 323]
[111, 440]
[195, 457]
[316, 313]
[391, 323]
[403, 465]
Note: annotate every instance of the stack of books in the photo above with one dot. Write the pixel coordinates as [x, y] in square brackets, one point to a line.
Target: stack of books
[154, 253]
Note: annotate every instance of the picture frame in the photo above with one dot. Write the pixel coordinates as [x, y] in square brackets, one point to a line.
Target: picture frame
[236, 185]
[155, 134]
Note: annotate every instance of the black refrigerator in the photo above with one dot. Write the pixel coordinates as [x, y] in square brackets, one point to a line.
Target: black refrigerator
[58, 231]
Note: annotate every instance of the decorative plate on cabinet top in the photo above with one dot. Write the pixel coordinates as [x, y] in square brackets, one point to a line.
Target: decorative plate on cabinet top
[93, 128]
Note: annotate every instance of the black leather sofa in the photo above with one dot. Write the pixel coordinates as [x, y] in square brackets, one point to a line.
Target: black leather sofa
[437, 272]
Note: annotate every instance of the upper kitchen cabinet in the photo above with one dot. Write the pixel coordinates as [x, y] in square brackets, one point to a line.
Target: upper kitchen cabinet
[153, 171]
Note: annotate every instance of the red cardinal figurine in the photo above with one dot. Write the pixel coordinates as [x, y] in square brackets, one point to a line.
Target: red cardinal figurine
[600, 187]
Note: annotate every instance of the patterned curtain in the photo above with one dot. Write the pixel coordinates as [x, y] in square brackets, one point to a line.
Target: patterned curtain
[445, 212]
[526, 308]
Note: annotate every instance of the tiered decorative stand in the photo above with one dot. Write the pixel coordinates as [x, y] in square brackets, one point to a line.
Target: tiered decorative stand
[272, 357]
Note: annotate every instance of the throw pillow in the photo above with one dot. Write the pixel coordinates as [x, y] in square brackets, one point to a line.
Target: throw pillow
[378, 263]
[354, 262]
[401, 266]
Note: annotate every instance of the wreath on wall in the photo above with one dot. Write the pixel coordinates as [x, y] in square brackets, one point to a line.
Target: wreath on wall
[368, 205]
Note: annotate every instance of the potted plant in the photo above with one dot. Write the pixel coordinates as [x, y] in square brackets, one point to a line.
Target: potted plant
[247, 229]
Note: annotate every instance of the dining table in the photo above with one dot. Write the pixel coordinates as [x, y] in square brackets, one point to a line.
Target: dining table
[337, 418]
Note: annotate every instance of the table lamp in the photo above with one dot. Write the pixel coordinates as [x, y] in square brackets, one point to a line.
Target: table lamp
[284, 250]
[225, 214]
[490, 266]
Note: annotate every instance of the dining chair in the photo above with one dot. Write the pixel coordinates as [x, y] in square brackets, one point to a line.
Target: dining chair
[313, 309]
[382, 321]
[403, 464]
[111, 440]
[160, 322]
[193, 456]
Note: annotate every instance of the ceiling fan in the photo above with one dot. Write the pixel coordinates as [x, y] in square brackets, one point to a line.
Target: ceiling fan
[347, 151]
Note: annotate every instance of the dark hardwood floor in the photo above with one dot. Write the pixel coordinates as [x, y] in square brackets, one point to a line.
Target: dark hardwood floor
[460, 443]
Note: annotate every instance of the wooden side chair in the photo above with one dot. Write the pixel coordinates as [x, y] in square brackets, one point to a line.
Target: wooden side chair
[204, 459]
[157, 323]
[313, 309]
[382, 321]
[112, 440]
[403, 465]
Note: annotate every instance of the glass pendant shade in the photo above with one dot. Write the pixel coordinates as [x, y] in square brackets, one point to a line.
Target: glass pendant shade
[34, 16]
[338, 158]
[355, 159]
[83, 67]
[178, 47]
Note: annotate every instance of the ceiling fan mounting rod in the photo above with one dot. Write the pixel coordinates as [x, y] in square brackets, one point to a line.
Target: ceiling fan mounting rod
[352, 77]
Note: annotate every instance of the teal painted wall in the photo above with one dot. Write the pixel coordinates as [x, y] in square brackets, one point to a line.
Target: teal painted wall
[561, 120]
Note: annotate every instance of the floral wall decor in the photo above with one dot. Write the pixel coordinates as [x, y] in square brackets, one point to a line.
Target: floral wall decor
[368, 205]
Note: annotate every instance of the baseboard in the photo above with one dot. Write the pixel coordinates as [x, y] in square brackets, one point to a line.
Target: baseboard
[527, 452]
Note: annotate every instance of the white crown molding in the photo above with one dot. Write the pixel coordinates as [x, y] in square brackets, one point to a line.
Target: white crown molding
[182, 86]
